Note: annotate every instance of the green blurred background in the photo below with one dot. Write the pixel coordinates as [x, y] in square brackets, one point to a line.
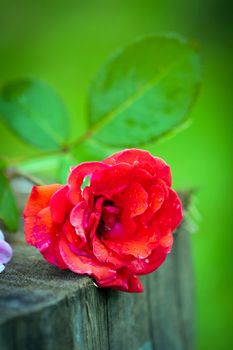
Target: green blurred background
[65, 42]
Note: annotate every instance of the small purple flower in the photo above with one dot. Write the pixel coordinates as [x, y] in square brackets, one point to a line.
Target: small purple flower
[5, 252]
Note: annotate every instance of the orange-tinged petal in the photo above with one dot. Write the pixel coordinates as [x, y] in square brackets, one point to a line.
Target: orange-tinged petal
[156, 197]
[135, 248]
[83, 264]
[41, 232]
[39, 229]
[39, 198]
[167, 241]
[139, 245]
[105, 255]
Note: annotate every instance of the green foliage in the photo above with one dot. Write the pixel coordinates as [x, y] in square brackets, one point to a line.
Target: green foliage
[52, 168]
[45, 168]
[8, 209]
[91, 150]
[64, 165]
[35, 113]
[144, 91]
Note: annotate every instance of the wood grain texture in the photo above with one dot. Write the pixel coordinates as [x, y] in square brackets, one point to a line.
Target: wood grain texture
[43, 308]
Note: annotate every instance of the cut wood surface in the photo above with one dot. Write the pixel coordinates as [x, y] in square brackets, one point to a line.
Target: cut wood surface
[44, 308]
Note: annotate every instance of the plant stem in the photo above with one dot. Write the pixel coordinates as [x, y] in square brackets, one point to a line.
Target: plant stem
[15, 161]
[64, 150]
[12, 173]
[81, 139]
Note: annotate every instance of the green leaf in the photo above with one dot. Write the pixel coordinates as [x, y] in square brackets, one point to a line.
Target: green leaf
[66, 162]
[52, 168]
[43, 164]
[45, 168]
[90, 150]
[8, 209]
[144, 91]
[35, 113]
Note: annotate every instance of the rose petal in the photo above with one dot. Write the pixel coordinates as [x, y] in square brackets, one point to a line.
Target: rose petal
[163, 171]
[111, 180]
[85, 265]
[109, 215]
[170, 215]
[39, 229]
[157, 195]
[59, 204]
[134, 285]
[134, 198]
[135, 248]
[143, 177]
[124, 282]
[77, 220]
[167, 241]
[150, 264]
[128, 223]
[131, 156]
[138, 158]
[71, 235]
[105, 255]
[140, 245]
[42, 233]
[77, 175]
[88, 196]
[39, 198]
[144, 160]
[95, 218]
[53, 256]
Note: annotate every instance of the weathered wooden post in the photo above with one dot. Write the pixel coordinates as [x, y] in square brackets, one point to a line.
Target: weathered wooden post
[43, 308]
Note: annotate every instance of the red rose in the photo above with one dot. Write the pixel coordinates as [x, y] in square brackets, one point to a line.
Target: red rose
[117, 227]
